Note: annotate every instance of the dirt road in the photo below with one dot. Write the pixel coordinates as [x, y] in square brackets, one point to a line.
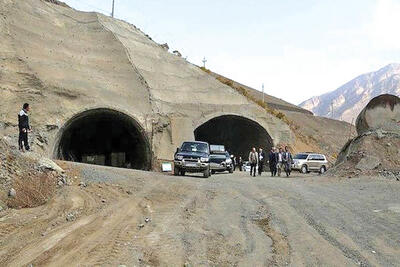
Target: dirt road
[143, 218]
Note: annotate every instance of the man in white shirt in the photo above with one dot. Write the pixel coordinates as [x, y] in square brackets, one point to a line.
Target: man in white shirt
[279, 165]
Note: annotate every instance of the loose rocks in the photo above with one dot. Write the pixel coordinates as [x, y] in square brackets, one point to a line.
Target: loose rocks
[12, 193]
[47, 164]
[70, 217]
[368, 163]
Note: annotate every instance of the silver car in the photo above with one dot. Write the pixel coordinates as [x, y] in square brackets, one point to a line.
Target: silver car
[310, 162]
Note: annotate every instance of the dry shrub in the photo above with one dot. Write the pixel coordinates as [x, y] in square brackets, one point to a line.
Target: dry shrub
[205, 70]
[254, 99]
[32, 190]
[225, 81]
[250, 97]
[57, 3]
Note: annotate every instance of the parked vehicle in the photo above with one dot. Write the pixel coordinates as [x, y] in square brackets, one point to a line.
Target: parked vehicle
[220, 160]
[193, 157]
[246, 167]
[310, 162]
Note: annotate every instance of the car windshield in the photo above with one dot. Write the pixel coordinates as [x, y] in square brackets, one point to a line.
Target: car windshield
[301, 156]
[195, 147]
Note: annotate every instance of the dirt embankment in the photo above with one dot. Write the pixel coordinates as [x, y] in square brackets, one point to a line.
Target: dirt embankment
[26, 179]
[376, 149]
[373, 153]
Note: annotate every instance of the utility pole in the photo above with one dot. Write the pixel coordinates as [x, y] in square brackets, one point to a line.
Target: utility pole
[263, 93]
[204, 62]
[112, 12]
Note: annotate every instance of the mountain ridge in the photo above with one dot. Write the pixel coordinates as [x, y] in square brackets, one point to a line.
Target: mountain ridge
[347, 101]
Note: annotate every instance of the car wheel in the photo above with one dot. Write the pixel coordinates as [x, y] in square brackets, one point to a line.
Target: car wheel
[304, 169]
[206, 173]
[322, 170]
[230, 170]
[183, 173]
[212, 172]
[176, 171]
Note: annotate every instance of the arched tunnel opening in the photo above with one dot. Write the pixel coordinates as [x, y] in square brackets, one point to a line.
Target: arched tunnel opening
[238, 134]
[104, 137]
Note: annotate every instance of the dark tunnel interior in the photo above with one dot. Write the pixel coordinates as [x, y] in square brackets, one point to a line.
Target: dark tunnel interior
[238, 134]
[105, 137]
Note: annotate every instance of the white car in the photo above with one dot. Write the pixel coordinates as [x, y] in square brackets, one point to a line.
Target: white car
[310, 162]
[247, 167]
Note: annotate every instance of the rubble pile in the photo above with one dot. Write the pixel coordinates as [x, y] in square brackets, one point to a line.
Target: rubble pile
[376, 149]
[22, 170]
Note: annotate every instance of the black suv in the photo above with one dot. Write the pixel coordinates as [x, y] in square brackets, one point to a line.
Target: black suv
[220, 160]
[193, 157]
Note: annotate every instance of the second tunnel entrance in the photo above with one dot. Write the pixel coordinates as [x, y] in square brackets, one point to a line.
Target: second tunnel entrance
[238, 134]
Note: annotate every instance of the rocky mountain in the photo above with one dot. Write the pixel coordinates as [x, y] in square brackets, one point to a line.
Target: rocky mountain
[347, 101]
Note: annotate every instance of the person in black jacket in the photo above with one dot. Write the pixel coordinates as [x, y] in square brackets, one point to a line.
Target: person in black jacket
[240, 164]
[24, 128]
[273, 161]
[287, 160]
[261, 161]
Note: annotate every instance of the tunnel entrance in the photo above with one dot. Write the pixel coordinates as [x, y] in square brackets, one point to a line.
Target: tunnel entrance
[105, 137]
[238, 134]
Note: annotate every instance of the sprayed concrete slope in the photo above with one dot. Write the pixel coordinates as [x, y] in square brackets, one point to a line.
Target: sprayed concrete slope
[65, 62]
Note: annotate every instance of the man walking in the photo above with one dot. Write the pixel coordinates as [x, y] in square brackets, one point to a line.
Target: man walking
[287, 159]
[272, 157]
[261, 161]
[240, 163]
[253, 159]
[279, 165]
[24, 128]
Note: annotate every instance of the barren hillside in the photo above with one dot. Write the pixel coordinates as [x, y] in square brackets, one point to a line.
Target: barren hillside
[313, 133]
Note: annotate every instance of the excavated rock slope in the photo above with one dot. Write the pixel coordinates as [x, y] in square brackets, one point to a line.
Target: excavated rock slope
[65, 62]
[377, 148]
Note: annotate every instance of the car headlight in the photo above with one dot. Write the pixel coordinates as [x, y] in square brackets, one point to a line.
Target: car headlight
[204, 159]
[179, 157]
[229, 161]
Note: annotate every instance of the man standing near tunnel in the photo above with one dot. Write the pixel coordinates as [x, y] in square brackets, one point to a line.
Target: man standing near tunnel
[24, 128]
[273, 160]
[261, 161]
[253, 160]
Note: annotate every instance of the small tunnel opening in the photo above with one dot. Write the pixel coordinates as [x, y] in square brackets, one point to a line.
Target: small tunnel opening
[105, 137]
[238, 134]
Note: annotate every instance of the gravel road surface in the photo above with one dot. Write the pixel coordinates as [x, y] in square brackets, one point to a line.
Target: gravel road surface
[133, 218]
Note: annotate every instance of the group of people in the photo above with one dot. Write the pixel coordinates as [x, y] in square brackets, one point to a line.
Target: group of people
[279, 160]
[256, 159]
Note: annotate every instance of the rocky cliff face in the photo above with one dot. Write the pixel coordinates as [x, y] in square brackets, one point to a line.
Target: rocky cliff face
[348, 100]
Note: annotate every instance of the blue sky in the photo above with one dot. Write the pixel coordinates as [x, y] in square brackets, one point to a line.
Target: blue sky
[297, 48]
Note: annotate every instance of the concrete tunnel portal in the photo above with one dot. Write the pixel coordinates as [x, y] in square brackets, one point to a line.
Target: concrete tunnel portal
[104, 137]
[238, 134]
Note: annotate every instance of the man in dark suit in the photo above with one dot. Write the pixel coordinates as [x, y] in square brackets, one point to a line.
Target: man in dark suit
[287, 159]
[272, 161]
